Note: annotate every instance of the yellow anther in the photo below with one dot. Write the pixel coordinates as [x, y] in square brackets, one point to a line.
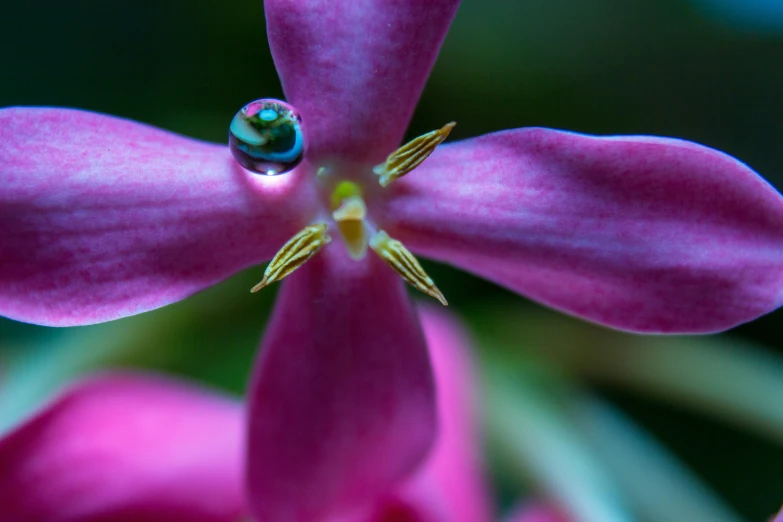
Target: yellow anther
[402, 261]
[350, 221]
[410, 155]
[294, 254]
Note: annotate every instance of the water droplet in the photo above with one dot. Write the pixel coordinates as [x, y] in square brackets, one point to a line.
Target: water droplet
[266, 137]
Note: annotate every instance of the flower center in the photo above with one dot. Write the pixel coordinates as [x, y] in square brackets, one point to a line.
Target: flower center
[266, 137]
[350, 214]
[357, 231]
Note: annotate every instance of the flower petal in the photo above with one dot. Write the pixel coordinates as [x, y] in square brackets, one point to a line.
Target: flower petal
[638, 233]
[102, 218]
[450, 486]
[342, 404]
[355, 70]
[124, 448]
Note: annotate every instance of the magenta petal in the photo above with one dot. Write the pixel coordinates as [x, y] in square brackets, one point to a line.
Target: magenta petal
[450, 486]
[102, 218]
[638, 233]
[126, 448]
[342, 403]
[355, 69]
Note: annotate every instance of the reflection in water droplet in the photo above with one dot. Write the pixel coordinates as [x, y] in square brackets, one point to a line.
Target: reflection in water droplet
[266, 137]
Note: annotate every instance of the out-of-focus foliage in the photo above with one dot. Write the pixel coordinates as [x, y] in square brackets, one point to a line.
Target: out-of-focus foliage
[755, 15]
[667, 67]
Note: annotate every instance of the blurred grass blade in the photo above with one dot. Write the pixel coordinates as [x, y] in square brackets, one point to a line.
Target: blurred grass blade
[183, 338]
[726, 378]
[657, 485]
[537, 438]
[734, 381]
[32, 374]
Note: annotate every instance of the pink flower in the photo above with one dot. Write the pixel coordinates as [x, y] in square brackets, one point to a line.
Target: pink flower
[127, 448]
[104, 218]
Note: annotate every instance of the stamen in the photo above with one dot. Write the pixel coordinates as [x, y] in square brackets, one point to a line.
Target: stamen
[350, 221]
[410, 155]
[294, 254]
[402, 261]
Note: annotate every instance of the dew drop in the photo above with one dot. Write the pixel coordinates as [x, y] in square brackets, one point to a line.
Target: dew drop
[266, 137]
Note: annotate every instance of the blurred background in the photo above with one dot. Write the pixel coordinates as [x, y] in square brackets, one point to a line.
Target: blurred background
[676, 428]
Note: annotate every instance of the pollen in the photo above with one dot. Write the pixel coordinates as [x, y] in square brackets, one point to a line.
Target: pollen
[405, 264]
[409, 156]
[304, 245]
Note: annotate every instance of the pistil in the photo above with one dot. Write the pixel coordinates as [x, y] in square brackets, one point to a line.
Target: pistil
[350, 216]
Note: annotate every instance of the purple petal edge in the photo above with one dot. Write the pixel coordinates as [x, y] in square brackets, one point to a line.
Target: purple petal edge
[638, 233]
[342, 403]
[355, 70]
[102, 218]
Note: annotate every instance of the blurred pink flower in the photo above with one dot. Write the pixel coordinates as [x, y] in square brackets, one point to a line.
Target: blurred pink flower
[103, 218]
[131, 447]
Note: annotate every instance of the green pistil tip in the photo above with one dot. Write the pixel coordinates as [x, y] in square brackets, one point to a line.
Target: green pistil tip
[343, 191]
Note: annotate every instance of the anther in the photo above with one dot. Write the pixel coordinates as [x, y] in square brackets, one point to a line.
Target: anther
[405, 264]
[410, 155]
[294, 254]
